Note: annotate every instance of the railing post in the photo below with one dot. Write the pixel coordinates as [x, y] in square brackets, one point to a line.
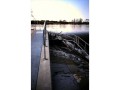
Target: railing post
[44, 39]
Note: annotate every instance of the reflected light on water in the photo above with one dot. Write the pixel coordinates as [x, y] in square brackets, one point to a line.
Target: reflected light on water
[65, 28]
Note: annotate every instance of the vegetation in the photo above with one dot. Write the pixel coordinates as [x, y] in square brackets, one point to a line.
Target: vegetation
[75, 21]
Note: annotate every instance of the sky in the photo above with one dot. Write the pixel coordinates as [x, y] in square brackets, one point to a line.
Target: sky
[59, 9]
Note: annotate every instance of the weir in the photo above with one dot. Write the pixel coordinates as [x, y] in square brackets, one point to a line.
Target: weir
[36, 48]
[44, 74]
[40, 60]
[41, 78]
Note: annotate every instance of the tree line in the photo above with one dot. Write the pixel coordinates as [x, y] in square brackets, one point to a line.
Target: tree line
[74, 21]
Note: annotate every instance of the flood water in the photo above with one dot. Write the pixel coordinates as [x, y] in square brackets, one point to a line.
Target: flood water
[69, 71]
[79, 30]
[65, 28]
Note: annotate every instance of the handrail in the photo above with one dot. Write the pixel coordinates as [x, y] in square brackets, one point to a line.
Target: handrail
[44, 33]
[81, 39]
[44, 39]
[76, 40]
[76, 36]
[44, 74]
[44, 26]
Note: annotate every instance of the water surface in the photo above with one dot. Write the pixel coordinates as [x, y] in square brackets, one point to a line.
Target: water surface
[80, 30]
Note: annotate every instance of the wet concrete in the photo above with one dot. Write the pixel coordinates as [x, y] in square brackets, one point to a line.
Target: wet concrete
[44, 75]
[69, 70]
[62, 79]
[67, 74]
[36, 45]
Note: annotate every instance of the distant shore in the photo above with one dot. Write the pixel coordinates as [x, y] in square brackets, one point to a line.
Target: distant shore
[58, 22]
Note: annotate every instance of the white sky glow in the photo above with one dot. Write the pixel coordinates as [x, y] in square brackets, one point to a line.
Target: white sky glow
[54, 10]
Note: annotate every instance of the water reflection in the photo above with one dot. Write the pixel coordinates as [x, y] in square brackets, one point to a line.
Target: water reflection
[65, 28]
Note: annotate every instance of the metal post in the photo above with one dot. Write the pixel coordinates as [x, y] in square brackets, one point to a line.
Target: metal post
[44, 39]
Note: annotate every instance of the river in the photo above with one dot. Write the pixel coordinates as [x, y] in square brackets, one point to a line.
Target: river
[80, 30]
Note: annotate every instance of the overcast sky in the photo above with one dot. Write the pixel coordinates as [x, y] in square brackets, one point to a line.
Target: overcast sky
[60, 9]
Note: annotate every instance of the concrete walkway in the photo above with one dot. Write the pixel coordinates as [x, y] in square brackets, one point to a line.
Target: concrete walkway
[44, 75]
[36, 46]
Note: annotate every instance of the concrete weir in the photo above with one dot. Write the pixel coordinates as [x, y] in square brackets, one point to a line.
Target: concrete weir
[44, 75]
[40, 60]
[36, 47]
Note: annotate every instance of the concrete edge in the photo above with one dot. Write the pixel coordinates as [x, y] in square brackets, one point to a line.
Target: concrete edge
[44, 73]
